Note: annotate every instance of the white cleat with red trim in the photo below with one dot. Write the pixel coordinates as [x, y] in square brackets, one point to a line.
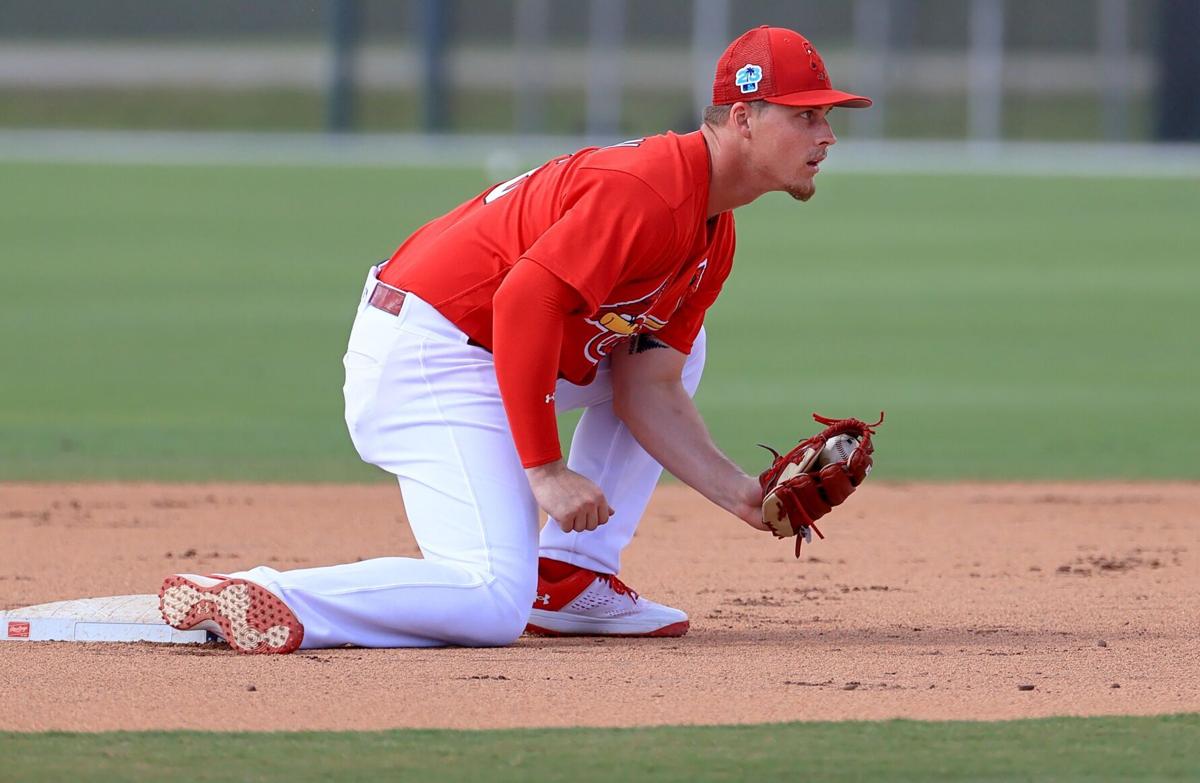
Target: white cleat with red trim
[248, 616]
[581, 602]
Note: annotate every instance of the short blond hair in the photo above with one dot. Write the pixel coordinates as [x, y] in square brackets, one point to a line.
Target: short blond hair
[717, 115]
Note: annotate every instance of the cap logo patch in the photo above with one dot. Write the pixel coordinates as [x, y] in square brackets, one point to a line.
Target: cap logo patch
[814, 62]
[747, 78]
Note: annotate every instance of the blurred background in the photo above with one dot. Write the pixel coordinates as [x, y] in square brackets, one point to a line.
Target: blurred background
[1002, 253]
[1114, 70]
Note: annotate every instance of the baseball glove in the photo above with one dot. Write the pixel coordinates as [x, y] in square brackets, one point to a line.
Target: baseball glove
[803, 485]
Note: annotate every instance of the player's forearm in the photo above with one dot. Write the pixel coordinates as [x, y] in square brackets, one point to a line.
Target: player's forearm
[666, 423]
[528, 303]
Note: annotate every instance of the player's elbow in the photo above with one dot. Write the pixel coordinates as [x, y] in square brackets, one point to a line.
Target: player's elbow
[624, 406]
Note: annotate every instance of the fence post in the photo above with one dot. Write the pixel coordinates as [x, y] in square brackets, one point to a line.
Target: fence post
[434, 31]
[606, 31]
[1179, 71]
[872, 35]
[1114, 68]
[710, 35]
[344, 21]
[531, 23]
[985, 70]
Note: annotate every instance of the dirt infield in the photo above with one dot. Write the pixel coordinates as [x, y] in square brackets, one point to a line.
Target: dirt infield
[925, 601]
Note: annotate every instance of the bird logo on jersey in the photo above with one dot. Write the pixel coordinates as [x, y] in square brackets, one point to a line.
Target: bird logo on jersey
[620, 321]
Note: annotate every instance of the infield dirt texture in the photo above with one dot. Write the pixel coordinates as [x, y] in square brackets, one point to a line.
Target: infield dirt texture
[1032, 520]
[925, 601]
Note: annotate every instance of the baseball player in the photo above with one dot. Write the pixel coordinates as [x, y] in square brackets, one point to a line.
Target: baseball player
[580, 284]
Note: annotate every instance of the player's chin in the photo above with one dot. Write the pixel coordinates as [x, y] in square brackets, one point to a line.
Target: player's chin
[803, 190]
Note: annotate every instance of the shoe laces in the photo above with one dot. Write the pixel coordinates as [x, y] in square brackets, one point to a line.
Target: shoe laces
[619, 587]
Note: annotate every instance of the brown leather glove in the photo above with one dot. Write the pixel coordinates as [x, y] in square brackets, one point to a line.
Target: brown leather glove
[803, 485]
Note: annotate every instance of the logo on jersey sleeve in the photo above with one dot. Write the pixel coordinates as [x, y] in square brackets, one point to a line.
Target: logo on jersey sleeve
[747, 78]
[619, 321]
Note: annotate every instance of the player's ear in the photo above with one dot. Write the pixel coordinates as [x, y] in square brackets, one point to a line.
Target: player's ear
[739, 115]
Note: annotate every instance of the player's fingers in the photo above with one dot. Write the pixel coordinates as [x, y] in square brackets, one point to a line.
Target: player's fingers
[582, 517]
[593, 519]
[605, 512]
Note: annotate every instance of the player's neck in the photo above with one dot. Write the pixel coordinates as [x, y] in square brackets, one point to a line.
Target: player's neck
[730, 185]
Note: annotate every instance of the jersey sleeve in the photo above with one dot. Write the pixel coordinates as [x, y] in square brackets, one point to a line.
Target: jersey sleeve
[681, 331]
[531, 300]
[613, 226]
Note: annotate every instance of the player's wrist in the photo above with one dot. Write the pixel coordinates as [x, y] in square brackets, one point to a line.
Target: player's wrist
[546, 470]
[737, 491]
[543, 460]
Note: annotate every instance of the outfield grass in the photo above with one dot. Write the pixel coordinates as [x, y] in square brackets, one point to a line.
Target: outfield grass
[910, 115]
[1059, 749]
[187, 322]
[197, 109]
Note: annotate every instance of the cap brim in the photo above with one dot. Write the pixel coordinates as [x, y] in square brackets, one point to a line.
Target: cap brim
[822, 98]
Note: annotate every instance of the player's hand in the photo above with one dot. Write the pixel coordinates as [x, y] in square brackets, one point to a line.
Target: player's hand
[572, 500]
[744, 501]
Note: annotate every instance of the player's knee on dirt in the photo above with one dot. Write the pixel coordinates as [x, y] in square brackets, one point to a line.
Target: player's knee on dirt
[498, 621]
[498, 611]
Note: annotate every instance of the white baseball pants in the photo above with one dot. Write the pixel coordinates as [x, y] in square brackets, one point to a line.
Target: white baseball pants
[423, 404]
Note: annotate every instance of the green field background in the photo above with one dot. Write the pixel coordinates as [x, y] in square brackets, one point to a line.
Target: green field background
[187, 322]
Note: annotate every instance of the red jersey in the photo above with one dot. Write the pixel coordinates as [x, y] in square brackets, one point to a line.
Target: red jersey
[625, 226]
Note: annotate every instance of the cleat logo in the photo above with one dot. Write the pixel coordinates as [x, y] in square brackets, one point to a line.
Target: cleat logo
[543, 599]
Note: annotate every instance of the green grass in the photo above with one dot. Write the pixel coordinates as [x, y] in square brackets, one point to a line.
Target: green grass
[281, 109]
[909, 115]
[1058, 749]
[187, 322]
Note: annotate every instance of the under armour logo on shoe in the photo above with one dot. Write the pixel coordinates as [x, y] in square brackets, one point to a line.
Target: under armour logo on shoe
[545, 599]
[549, 398]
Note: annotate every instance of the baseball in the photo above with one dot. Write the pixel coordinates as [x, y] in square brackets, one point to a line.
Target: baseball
[837, 449]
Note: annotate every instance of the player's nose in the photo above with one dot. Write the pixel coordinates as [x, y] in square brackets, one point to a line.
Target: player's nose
[826, 136]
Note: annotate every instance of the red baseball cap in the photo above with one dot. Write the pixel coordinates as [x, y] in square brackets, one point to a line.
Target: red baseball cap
[777, 65]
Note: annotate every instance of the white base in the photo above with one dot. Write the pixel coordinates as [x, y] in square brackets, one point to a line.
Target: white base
[118, 618]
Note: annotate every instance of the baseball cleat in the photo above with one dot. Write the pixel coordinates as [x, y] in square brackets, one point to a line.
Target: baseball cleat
[248, 616]
[575, 601]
